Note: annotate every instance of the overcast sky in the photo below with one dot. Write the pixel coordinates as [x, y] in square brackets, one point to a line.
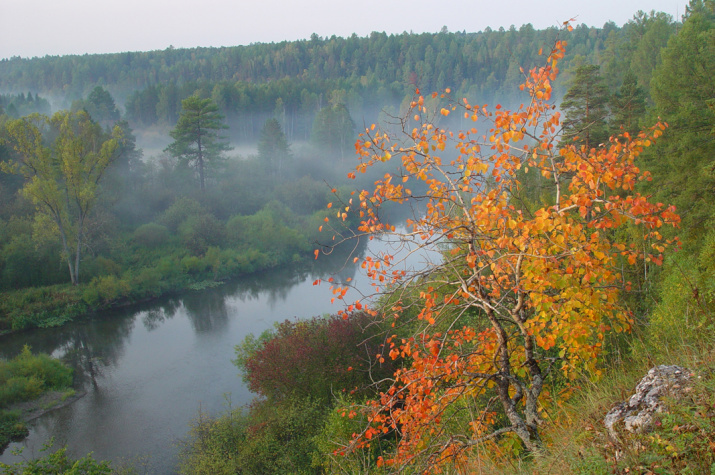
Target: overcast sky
[55, 27]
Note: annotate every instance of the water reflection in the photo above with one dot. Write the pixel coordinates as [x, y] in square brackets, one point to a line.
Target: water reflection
[147, 370]
[207, 310]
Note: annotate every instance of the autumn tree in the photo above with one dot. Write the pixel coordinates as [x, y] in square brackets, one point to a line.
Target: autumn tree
[196, 139]
[521, 295]
[62, 177]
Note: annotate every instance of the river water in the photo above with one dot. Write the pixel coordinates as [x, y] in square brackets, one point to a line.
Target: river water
[147, 371]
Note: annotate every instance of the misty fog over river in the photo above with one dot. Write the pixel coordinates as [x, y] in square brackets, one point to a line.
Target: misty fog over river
[148, 371]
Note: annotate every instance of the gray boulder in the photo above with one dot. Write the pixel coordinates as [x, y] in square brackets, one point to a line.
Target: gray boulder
[636, 414]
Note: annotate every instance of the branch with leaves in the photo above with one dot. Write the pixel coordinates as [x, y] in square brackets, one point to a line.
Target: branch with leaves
[519, 291]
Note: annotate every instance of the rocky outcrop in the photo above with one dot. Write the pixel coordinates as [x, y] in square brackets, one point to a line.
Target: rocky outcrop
[636, 414]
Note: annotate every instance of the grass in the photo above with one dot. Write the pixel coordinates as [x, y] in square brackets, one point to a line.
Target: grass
[678, 332]
[24, 378]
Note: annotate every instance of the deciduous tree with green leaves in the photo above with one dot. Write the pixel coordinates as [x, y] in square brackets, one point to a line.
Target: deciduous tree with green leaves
[196, 139]
[63, 159]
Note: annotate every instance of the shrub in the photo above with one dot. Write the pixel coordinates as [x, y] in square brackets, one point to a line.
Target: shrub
[57, 462]
[312, 358]
[270, 438]
[200, 232]
[20, 388]
[50, 371]
[192, 265]
[178, 212]
[12, 429]
[268, 232]
[105, 289]
[147, 282]
[151, 235]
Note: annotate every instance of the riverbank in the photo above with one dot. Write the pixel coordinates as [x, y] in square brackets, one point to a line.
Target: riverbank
[56, 305]
[30, 386]
[52, 400]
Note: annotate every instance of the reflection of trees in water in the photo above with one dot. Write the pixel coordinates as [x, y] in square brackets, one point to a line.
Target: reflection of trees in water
[207, 310]
[155, 316]
[274, 286]
[97, 345]
[88, 346]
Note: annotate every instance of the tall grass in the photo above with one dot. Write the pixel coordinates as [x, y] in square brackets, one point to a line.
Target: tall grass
[24, 378]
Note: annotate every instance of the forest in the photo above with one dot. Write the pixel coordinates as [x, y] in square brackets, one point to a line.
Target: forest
[564, 175]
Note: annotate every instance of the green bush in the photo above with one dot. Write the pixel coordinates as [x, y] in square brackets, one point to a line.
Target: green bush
[147, 282]
[12, 429]
[340, 425]
[269, 438]
[193, 265]
[50, 372]
[151, 235]
[198, 233]
[56, 463]
[40, 307]
[178, 212]
[24, 378]
[268, 232]
[105, 290]
[20, 388]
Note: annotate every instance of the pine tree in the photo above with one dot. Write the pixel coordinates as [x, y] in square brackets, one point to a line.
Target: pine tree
[196, 139]
[273, 148]
[628, 106]
[585, 107]
[683, 88]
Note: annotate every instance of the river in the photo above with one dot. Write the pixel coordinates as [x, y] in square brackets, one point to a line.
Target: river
[148, 370]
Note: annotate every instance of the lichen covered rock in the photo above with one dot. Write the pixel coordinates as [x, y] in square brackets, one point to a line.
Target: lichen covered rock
[636, 414]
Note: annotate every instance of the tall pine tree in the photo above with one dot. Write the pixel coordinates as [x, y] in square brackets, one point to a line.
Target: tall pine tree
[585, 108]
[196, 138]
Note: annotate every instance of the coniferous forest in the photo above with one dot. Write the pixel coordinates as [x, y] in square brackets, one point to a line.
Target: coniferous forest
[564, 176]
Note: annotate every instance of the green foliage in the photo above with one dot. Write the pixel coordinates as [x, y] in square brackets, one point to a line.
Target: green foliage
[20, 105]
[585, 108]
[273, 148]
[100, 106]
[40, 307]
[628, 106]
[105, 290]
[62, 180]
[196, 140]
[40, 371]
[179, 211]
[340, 425]
[55, 463]
[268, 232]
[683, 88]
[270, 438]
[151, 235]
[24, 260]
[24, 378]
[12, 429]
[334, 130]
[200, 232]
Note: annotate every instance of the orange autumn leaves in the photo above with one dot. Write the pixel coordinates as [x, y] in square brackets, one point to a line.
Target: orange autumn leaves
[542, 283]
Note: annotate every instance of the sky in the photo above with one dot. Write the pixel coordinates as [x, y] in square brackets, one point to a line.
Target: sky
[31, 28]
